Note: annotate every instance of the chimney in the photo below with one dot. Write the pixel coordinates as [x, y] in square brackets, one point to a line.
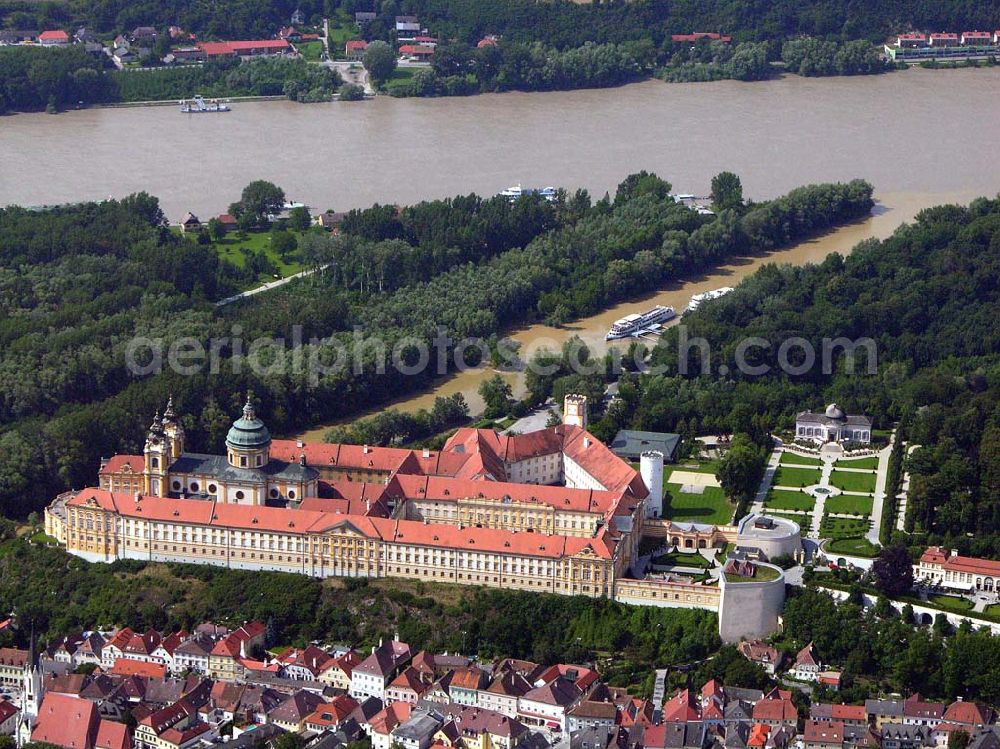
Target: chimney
[365, 449]
[427, 452]
[138, 497]
[302, 459]
[586, 441]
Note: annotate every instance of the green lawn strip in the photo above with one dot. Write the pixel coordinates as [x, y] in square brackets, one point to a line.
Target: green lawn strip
[788, 476]
[310, 51]
[835, 528]
[869, 464]
[858, 547]
[782, 499]
[762, 574]
[710, 507]
[848, 504]
[803, 521]
[799, 460]
[951, 603]
[677, 559]
[853, 482]
[705, 466]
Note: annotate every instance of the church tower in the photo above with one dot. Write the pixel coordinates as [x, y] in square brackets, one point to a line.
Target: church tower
[159, 456]
[575, 410]
[173, 430]
[32, 693]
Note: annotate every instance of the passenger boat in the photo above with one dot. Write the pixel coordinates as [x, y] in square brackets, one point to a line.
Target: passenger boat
[637, 324]
[198, 105]
[698, 299]
[516, 191]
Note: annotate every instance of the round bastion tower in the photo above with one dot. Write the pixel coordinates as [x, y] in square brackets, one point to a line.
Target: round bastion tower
[651, 470]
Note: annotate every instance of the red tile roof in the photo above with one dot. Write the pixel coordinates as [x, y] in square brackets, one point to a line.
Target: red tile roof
[824, 732]
[355, 44]
[7, 709]
[66, 721]
[57, 35]
[129, 667]
[131, 463]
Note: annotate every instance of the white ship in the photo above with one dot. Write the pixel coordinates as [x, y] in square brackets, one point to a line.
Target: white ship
[198, 105]
[706, 296]
[515, 192]
[637, 324]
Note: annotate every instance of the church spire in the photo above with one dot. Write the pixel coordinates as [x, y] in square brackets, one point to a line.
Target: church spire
[248, 411]
[157, 426]
[168, 413]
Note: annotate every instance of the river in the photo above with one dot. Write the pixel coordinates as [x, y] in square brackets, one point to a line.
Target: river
[921, 137]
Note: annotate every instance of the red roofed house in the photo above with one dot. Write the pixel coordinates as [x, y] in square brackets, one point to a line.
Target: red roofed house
[954, 572]
[490, 40]
[807, 665]
[944, 39]
[977, 38]
[821, 734]
[129, 667]
[8, 717]
[969, 715]
[249, 48]
[911, 39]
[355, 49]
[174, 727]
[53, 38]
[765, 656]
[681, 708]
[776, 709]
[416, 51]
[74, 723]
[697, 35]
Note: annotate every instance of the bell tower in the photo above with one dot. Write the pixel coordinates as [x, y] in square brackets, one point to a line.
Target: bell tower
[173, 430]
[575, 410]
[159, 456]
[32, 694]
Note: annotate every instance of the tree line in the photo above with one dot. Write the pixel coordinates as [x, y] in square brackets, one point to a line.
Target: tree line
[39, 78]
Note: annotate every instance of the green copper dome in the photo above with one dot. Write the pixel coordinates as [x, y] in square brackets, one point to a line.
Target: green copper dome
[248, 432]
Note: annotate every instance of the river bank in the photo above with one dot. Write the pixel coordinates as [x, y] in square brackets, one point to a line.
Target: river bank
[890, 212]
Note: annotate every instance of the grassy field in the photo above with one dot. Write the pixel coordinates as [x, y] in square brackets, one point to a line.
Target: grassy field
[853, 482]
[342, 28]
[704, 466]
[782, 499]
[310, 51]
[951, 603]
[835, 528]
[786, 476]
[850, 505]
[683, 560]
[709, 507]
[235, 246]
[799, 460]
[400, 77]
[857, 547]
[867, 463]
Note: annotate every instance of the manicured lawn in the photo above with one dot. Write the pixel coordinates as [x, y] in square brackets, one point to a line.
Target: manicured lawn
[782, 499]
[842, 527]
[683, 560]
[761, 575]
[853, 482]
[868, 463]
[951, 603]
[786, 476]
[857, 547]
[310, 51]
[709, 507]
[799, 460]
[803, 521]
[236, 246]
[705, 466]
[992, 612]
[850, 505]
[400, 77]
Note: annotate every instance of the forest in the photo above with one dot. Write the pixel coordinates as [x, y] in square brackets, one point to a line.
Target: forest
[883, 653]
[37, 78]
[560, 24]
[79, 283]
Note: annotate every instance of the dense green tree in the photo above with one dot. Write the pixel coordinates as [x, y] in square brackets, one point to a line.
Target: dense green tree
[893, 571]
[380, 62]
[727, 191]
